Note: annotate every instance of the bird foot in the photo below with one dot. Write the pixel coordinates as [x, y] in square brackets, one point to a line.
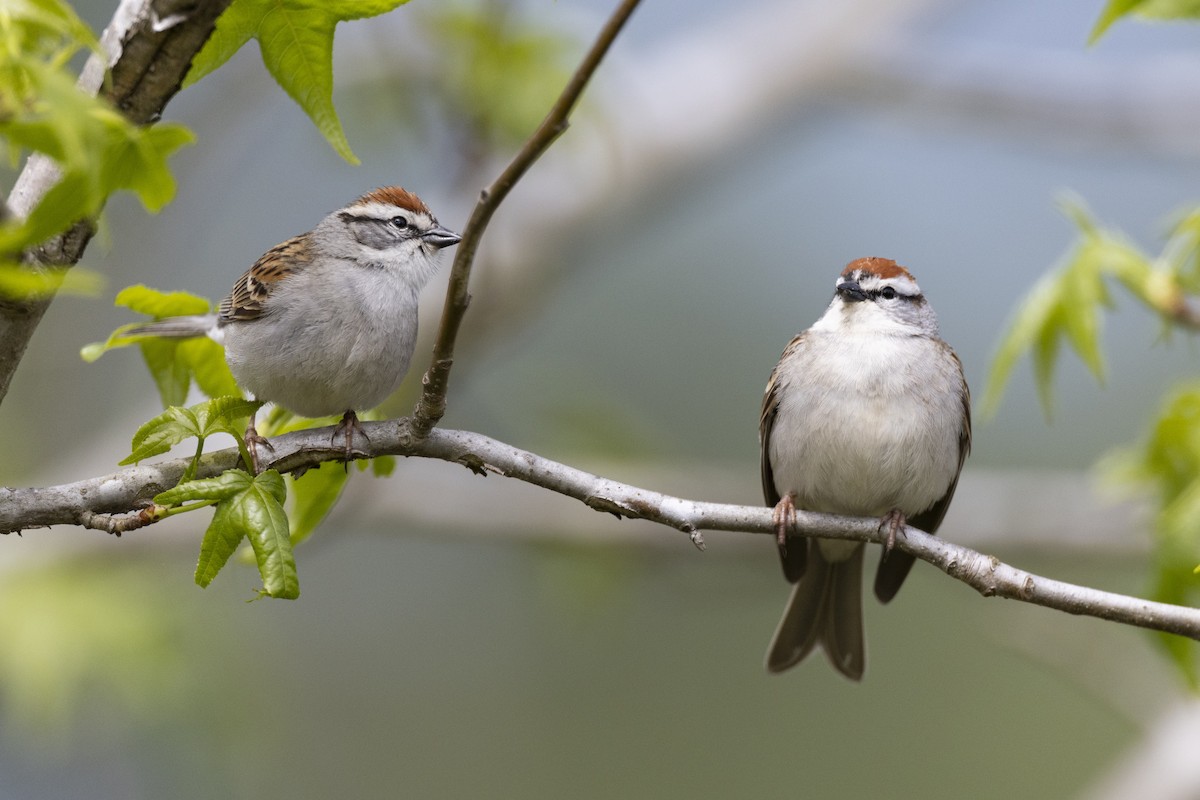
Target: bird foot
[784, 515]
[893, 523]
[254, 440]
[348, 427]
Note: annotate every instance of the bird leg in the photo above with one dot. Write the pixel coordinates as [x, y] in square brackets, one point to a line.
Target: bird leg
[794, 561]
[894, 522]
[784, 516]
[348, 427]
[253, 439]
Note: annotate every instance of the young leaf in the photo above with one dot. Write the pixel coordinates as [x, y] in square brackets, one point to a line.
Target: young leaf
[170, 373]
[219, 415]
[155, 303]
[258, 512]
[160, 434]
[1113, 11]
[221, 540]
[43, 28]
[205, 360]
[18, 282]
[1027, 329]
[247, 507]
[228, 484]
[1068, 304]
[1146, 9]
[227, 414]
[173, 363]
[383, 466]
[296, 41]
[97, 150]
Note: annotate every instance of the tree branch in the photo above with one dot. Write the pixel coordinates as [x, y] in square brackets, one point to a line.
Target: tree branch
[432, 404]
[148, 48]
[119, 502]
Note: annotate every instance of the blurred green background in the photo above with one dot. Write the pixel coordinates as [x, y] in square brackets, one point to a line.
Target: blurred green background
[466, 637]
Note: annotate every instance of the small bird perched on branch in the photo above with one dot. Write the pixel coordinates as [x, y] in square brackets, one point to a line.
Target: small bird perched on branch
[867, 413]
[326, 322]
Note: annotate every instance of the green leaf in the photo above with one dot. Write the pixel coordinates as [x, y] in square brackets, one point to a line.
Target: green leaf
[19, 282]
[227, 414]
[170, 374]
[1146, 9]
[158, 304]
[1068, 303]
[160, 434]
[221, 539]
[1169, 462]
[1113, 11]
[1027, 329]
[296, 40]
[228, 484]
[1082, 295]
[247, 507]
[42, 28]
[173, 363]
[139, 163]
[117, 339]
[313, 495]
[259, 513]
[204, 360]
[98, 151]
[163, 432]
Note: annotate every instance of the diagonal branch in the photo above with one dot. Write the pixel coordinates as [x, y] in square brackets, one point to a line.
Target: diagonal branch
[116, 503]
[148, 48]
[432, 404]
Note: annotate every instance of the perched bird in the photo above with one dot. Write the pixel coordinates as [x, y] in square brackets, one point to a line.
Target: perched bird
[867, 413]
[326, 322]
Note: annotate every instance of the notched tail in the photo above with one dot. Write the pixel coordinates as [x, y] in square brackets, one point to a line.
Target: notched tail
[825, 608]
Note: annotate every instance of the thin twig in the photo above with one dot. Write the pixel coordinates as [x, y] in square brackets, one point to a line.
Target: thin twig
[432, 404]
[133, 488]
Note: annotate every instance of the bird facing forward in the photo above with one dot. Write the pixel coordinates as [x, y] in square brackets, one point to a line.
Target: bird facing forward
[867, 413]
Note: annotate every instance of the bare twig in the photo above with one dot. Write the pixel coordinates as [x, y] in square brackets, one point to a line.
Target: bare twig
[147, 50]
[432, 404]
[131, 489]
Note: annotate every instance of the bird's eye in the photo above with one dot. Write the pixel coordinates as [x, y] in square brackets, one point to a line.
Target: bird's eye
[887, 293]
[400, 222]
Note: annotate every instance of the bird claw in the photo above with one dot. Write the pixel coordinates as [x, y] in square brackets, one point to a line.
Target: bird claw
[784, 516]
[894, 522]
[348, 427]
[254, 440]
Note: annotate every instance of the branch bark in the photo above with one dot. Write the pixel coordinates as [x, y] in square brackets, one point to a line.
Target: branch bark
[432, 404]
[147, 50]
[117, 502]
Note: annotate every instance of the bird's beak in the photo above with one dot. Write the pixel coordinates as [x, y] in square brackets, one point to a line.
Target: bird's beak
[851, 292]
[440, 237]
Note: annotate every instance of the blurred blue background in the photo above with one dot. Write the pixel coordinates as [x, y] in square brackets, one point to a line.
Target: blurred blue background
[461, 637]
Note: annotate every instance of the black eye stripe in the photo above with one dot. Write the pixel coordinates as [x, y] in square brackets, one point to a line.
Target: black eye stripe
[889, 293]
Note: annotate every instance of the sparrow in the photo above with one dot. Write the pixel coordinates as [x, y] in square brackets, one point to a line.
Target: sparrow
[326, 322]
[867, 413]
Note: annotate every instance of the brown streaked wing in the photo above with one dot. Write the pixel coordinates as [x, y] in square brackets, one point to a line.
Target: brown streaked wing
[245, 301]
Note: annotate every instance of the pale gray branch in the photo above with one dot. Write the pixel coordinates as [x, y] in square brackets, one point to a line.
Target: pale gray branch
[132, 489]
